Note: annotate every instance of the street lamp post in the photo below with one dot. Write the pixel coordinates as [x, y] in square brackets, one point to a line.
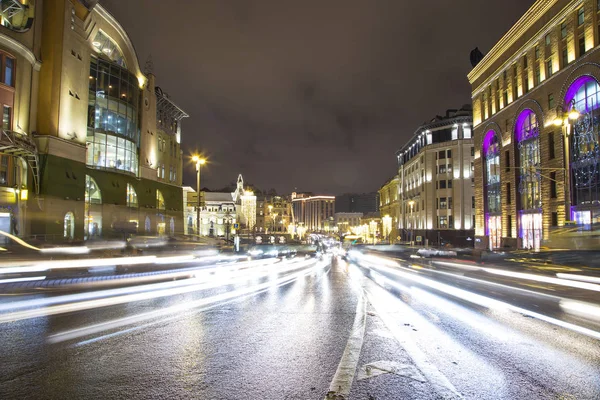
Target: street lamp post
[566, 119]
[412, 228]
[199, 162]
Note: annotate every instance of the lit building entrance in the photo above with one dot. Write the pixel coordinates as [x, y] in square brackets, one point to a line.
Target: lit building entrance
[531, 230]
[494, 224]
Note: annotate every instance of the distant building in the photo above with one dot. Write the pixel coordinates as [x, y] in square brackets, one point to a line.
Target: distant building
[389, 208]
[371, 228]
[218, 214]
[435, 172]
[273, 213]
[355, 202]
[347, 222]
[312, 212]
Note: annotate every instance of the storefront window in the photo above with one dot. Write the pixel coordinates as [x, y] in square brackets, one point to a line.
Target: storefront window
[69, 226]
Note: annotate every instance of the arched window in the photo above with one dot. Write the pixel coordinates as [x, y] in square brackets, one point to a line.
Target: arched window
[160, 201]
[69, 226]
[493, 210]
[93, 209]
[528, 147]
[132, 200]
[584, 96]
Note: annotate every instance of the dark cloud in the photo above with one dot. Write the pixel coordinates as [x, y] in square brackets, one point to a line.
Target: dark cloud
[315, 94]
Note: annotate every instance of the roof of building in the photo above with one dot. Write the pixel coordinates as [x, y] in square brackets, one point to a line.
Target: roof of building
[218, 197]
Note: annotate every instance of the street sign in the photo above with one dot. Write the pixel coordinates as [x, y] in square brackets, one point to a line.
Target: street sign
[236, 226]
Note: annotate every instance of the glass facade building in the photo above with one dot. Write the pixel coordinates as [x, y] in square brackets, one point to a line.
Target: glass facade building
[113, 134]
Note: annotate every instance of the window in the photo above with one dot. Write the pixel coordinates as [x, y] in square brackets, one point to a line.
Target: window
[548, 69]
[515, 69]
[442, 169]
[473, 202]
[548, 40]
[526, 82]
[132, 200]
[525, 61]
[443, 203]
[472, 166]
[508, 194]
[450, 222]
[563, 30]
[9, 65]
[505, 97]
[551, 101]
[554, 221]
[580, 16]
[552, 185]
[551, 150]
[6, 118]
[449, 153]
[442, 184]
[581, 46]
[565, 57]
[504, 75]
[537, 52]
[160, 201]
[449, 203]
[538, 75]
[444, 222]
[507, 160]
[509, 226]
[466, 131]
[449, 183]
[441, 155]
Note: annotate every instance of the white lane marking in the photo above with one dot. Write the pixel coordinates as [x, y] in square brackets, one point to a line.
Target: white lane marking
[438, 380]
[344, 375]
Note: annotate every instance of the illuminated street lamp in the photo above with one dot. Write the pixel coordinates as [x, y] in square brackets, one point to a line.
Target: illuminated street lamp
[565, 118]
[199, 162]
[412, 228]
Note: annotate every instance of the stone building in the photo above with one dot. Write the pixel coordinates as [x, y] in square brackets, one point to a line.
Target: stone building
[389, 208]
[273, 213]
[536, 114]
[90, 144]
[435, 173]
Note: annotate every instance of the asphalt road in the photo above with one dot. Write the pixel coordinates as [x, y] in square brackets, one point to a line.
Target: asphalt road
[300, 329]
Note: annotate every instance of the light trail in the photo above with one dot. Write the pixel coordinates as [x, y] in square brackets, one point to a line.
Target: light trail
[179, 308]
[545, 279]
[485, 301]
[582, 278]
[25, 279]
[185, 287]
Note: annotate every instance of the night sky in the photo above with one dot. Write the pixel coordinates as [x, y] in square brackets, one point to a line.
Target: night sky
[312, 95]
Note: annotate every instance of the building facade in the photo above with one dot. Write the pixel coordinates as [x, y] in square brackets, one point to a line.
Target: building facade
[346, 223]
[536, 115]
[357, 202]
[435, 175]
[273, 213]
[389, 208]
[218, 213]
[89, 142]
[312, 212]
